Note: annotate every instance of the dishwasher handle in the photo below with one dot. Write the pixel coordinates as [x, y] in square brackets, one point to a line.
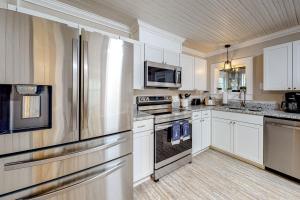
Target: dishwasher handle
[283, 125]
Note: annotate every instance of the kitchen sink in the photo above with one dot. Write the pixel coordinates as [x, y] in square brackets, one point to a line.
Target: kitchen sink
[242, 108]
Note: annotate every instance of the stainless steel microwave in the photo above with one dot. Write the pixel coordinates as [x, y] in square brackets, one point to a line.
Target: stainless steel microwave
[162, 75]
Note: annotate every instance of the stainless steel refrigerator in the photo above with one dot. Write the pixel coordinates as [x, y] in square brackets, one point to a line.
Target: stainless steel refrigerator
[65, 112]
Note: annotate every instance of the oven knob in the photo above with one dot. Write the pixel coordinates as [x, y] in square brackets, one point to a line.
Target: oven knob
[169, 98]
[147, 99]
[142, 99]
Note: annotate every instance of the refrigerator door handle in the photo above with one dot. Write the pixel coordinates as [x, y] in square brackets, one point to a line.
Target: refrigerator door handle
[75, 185]
[32, 163]
[85, 83]
[75, 84]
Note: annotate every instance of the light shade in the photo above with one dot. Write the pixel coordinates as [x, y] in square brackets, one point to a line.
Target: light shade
[227, 65]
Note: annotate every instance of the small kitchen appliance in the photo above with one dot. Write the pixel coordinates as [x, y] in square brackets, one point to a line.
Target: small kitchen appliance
[292, 102]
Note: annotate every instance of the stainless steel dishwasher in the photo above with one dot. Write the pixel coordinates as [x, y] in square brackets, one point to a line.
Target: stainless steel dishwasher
[282, 145]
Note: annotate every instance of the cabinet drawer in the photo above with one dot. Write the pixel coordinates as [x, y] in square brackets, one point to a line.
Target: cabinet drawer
[144, 125]
[196, 115]
[206, 113]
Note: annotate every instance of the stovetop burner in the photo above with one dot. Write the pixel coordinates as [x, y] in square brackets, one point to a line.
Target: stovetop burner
[162, 110]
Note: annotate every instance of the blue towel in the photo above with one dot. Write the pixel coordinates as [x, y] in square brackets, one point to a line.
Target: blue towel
[175, 136]
[185, 130]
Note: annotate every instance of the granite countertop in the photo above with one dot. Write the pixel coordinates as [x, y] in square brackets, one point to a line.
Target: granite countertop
[266, 113]
[139, 115]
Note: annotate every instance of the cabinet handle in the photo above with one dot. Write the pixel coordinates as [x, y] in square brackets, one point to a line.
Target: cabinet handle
[141, 126]
[289, 88]
[295, 88]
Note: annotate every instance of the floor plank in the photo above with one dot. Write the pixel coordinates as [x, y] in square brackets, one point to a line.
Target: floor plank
[213, 175]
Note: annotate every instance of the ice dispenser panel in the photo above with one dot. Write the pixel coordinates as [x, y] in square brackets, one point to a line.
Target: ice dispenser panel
[25, 108]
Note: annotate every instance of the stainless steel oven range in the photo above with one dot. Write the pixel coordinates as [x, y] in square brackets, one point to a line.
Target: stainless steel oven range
[167, 156]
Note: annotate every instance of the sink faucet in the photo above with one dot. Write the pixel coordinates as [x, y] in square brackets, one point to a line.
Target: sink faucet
[243, 101]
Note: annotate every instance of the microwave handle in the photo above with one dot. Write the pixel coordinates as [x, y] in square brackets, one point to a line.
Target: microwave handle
[177, 76]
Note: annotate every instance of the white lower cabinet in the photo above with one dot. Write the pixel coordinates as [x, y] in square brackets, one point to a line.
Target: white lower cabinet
[221, 134]
[206, 132]
[238, 134]
[196, 136]
[143, 149]
[201, 132]
[248, 140]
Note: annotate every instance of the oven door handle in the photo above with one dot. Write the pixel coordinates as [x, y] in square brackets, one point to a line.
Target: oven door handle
[162, 126]
[167, 125]
[75, 185]
[32, 163]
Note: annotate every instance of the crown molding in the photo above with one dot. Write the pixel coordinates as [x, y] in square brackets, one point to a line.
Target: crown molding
[193, 52]
[295, 29]
[76, 12]
[158, 31]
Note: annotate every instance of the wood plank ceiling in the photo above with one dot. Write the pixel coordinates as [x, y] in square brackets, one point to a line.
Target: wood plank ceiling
[209, 24]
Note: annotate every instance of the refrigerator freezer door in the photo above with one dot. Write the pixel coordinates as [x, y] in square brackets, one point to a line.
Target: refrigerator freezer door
[27, 169]
[37, 51]
[110, 181]
[107, 82]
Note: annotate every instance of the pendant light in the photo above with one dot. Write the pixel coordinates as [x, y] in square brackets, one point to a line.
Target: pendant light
[227, 63]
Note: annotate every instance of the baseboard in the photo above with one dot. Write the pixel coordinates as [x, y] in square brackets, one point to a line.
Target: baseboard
[141, 181]
[239, 158]
[201, 151]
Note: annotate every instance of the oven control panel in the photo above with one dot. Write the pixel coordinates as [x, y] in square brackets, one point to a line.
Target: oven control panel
[153, 99]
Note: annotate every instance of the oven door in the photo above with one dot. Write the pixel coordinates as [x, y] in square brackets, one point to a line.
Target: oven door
[165, 152]
[162, 75]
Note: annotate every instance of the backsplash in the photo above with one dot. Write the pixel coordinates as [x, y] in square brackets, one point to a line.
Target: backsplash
[265, 105]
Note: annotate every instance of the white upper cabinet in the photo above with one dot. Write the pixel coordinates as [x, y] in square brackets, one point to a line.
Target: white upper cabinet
[138, 66]
[138, 62]
[200, 74]
[160, 55]
[296, 65]
[171, 58]
[187, 78]
[278, 67]
[154, 54]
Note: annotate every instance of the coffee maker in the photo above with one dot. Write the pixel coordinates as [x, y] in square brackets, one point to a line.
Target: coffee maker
[292, 102]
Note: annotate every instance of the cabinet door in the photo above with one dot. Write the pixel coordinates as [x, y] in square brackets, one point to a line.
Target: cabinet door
[296, 65]
[187, 77]
[171, 58]
[138, 71]
[278, 67]
[197, 136]
[248, 141]
[154, 54]
[206, 133]
[200, 74]
[221, 134]
[143, 149]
